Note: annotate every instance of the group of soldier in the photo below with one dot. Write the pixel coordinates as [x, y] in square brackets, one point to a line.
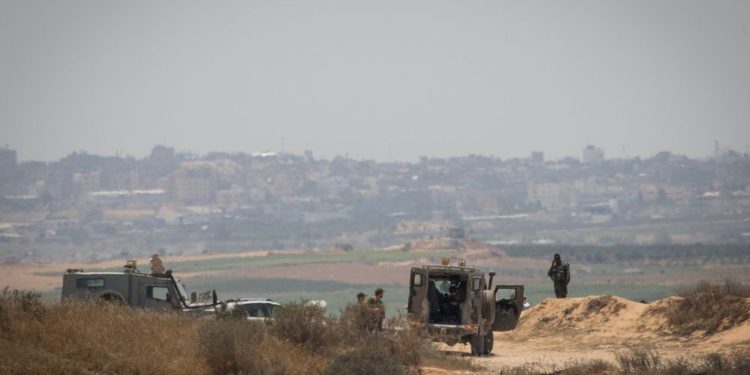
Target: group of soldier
[370, 311]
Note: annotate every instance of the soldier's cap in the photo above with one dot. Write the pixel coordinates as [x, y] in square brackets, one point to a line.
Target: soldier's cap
[360, 295]
[557, 255]
[379, 291]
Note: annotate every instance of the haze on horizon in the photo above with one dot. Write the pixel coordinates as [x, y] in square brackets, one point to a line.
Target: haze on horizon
[389, 80]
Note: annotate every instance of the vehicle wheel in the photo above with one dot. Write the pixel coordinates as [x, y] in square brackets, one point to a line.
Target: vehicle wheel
[112, 298]
[488, 305]
[477, 345]
[489, 342]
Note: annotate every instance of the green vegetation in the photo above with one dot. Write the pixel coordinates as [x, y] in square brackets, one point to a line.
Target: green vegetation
[284, 260]
[617, 254]
[633, 272]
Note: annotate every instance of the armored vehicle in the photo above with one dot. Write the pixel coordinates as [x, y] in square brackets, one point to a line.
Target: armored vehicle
[154, 291]
[457, 304]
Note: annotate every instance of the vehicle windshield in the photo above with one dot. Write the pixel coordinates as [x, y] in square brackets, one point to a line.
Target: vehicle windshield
[259, 310]
[181, 290]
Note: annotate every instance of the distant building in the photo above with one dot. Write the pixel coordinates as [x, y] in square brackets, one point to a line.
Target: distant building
[8, 161]
[129, 198]
[551, 195]
[87, 182]
[593, 155]
[193, 184]
[537, 157]
[162, 155]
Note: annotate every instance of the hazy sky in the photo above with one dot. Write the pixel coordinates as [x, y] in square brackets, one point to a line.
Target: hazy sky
[374, 79]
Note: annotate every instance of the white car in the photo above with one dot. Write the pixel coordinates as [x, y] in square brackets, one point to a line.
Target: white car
[255, 308]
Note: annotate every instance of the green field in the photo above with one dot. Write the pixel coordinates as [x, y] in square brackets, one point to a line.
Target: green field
[633, 272]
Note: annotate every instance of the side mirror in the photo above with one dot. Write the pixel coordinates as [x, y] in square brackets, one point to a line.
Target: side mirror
[489, 284]
[214, 297]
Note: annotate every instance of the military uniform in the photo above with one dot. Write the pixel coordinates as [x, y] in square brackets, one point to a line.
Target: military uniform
[560, 275]
[376, 311]
[157, 267]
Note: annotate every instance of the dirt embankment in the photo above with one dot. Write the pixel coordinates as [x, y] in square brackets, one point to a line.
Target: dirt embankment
[559, 331]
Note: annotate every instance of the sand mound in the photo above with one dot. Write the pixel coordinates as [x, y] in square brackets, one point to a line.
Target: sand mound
[608, 315]
[611, 319]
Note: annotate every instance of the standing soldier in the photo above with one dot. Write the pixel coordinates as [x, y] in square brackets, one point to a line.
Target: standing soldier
[559, 272]
[377, 311]
[361, 313]
[156, 265]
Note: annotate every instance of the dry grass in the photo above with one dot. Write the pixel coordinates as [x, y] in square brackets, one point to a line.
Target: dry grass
[709, 307]
[370, 360]
[597, 367]
[646, 361]
[82, 338]
[96, 338]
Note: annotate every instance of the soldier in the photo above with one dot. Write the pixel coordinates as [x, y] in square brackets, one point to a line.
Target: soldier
[156, 265]
[559, 272]
[361, 313]
[453, 300]
[376, 310]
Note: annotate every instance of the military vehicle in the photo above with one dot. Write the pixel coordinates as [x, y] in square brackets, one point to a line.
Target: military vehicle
[457, 304]
[253, 309]
[154, 291]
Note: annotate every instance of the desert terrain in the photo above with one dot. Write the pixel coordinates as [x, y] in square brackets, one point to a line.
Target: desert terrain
[560, 332]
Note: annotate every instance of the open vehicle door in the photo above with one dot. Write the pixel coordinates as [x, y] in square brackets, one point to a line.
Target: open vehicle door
[417, 294]
[508, 307]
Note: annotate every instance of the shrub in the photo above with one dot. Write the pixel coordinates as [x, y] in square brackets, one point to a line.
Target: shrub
[19, 303]
[372, 360]
[87, 337]
[351, 326]
[736, 363]
[597, 367]
[303, 324]
[639, 361]
[709, 307]
[232, 346]
[591, 367]
[726, 287]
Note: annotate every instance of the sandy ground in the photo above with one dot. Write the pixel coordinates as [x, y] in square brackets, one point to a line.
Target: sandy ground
[559, 332]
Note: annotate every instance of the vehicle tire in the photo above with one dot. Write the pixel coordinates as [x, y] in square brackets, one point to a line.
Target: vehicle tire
[489, 342]
[477, 345]
[488, 306]
[112, 298]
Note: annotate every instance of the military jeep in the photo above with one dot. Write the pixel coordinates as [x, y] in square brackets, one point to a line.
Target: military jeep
[457, 304]
[154, 291]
